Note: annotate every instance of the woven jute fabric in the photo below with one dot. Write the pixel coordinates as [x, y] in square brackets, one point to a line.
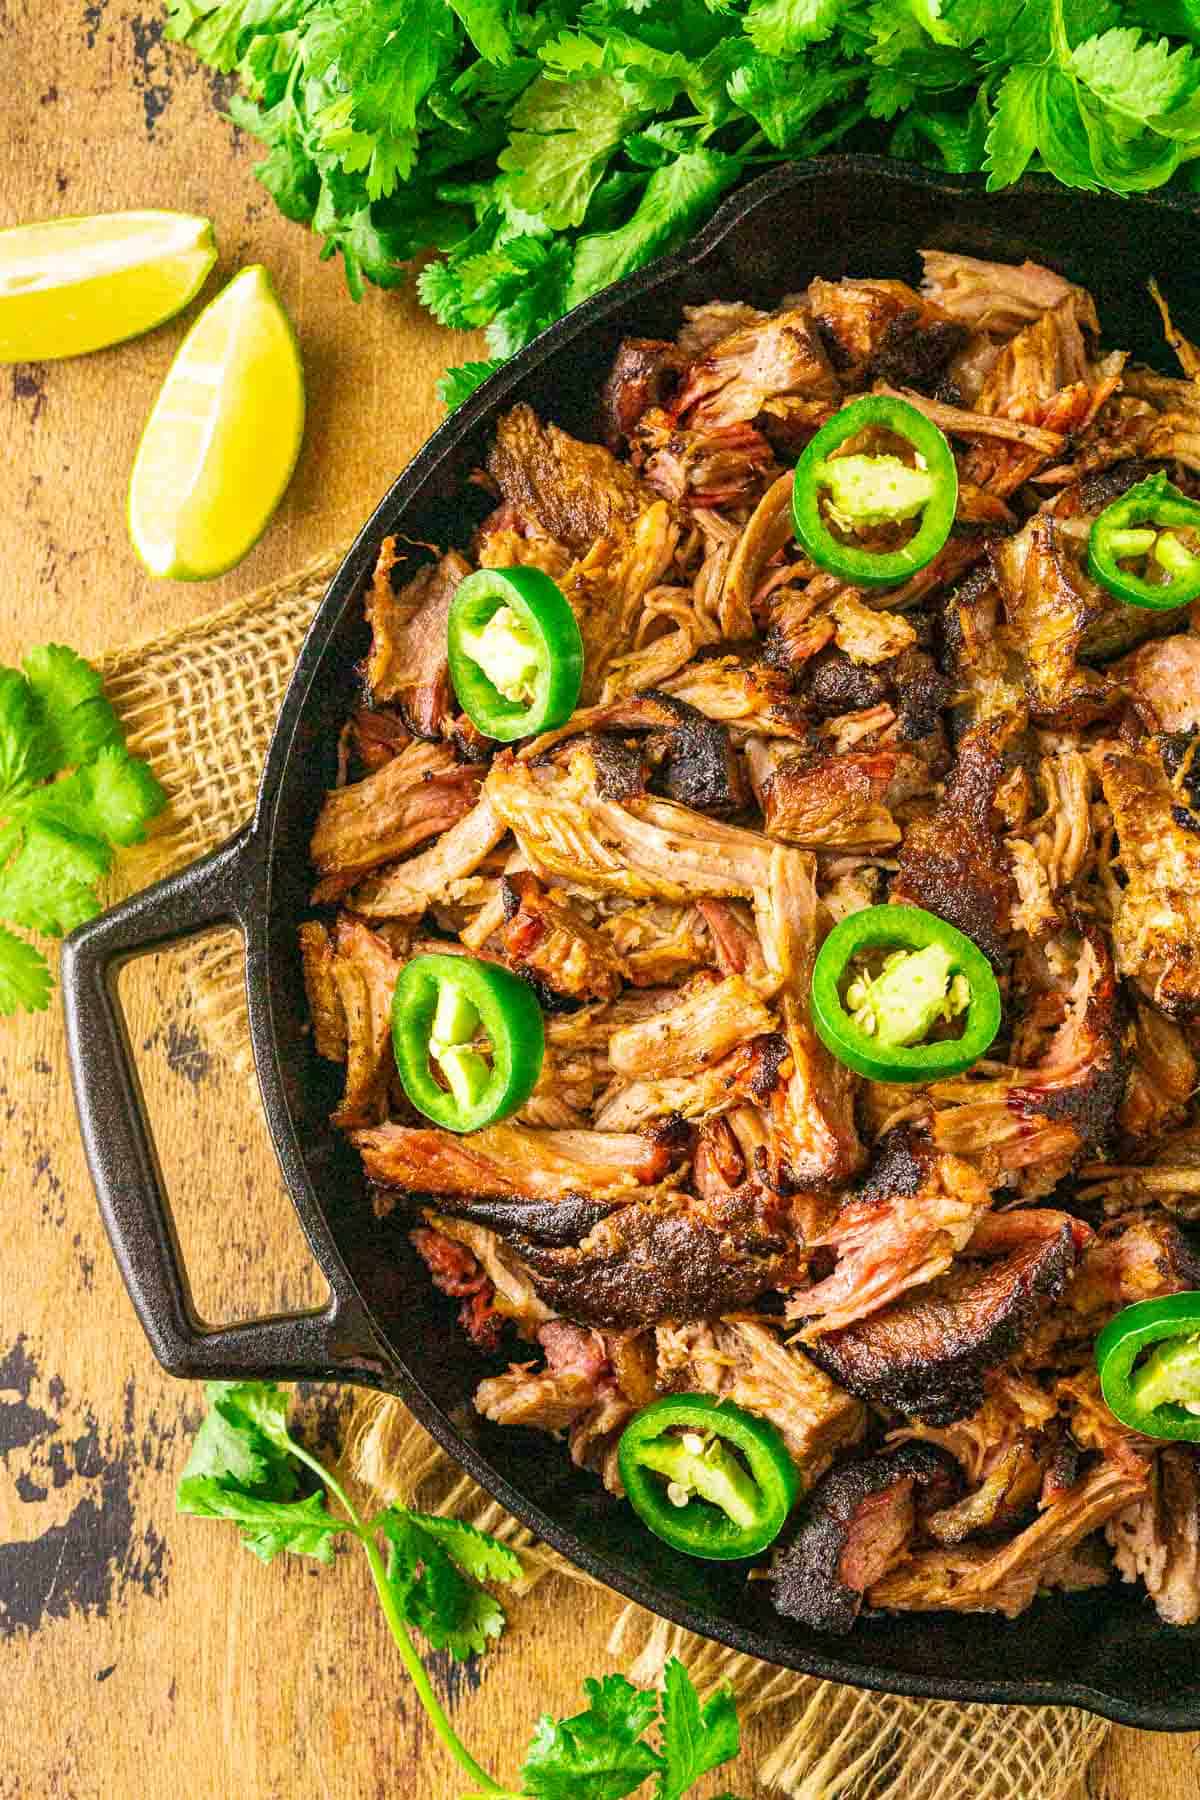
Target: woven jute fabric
[200, 704]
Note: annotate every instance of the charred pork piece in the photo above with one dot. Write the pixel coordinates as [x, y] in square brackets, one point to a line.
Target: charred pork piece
[695, 761]
[1156, 931]
[408, 888]
[1162, 1079]
[575, 493]
[746, 696]
[725, 465]
[645, 373]
[921, 694]
[1144, 1258]
[546, 936]
[415, 795]
[456, 1271]
[1050, 602]
[880, 328]
[509, 538]
[1012, 1483]
[711, 1017]
[647, 1262]
[1158, 1537]
[832, 802]
[855, 1525]
[953, 862]
[928, 1354]
[834, 683]
[407, 662]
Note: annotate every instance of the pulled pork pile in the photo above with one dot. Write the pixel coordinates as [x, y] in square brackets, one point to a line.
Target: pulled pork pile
[907, 1281]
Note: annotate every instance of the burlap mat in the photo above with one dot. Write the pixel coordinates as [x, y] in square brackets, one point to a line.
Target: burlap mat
[200, 703]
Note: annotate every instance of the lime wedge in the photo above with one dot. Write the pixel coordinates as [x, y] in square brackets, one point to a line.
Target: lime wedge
[221, 443]
[72, 285]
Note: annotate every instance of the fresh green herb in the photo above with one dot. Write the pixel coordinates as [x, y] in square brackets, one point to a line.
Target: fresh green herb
[246, 1466]
[57, 829]
[548, 149]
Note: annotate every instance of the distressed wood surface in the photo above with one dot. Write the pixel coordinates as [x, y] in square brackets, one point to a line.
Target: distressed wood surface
[144, 1655]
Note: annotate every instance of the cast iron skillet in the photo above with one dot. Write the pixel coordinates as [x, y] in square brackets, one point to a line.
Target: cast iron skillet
[384, 1325]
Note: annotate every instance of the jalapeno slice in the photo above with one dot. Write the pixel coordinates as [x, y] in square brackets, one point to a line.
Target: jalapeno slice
[707, 1477]
[876, 1019]
[442, 1009]
[515, 653]
[1140, 531]
[1160, 1395]
[836, 497]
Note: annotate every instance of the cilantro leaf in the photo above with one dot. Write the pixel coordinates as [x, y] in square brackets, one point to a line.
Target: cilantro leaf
[243, 1439]
[695, 1738]
[602, 1746]
[113, 797]
[431, 1590]
[676, 197]
[458, 384]
[782, 27]
[24, 977]
[49, 885]
[477, 1554]
[1139, 77]
[26, 749]
[265, 1526]
[78, 719]
[486, 24]
[784, 98]
[564, 134]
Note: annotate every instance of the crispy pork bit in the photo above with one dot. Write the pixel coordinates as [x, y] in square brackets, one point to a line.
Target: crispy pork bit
[912, 1213]
[573, 492]
[545, 934]
[1156, 928]
[980, 1578]
[833, 802]
[927, 1355]
[454, 1270]
[952, 862]
[407, 663]
[1050, 603]
[711, 1017]
[645, 373]
[1157, 1539]
[999, 298]
[855, 1526]
[416, 795]
[692, 755]
[408, 888]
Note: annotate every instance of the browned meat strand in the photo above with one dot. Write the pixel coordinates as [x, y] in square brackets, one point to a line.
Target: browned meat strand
[856, 1525]
[906, 1279]
[1156, 927]
[422, 791]
[407, 663]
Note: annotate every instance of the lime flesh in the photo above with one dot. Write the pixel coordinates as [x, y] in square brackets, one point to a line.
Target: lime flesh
[68, 286]
[221, 443]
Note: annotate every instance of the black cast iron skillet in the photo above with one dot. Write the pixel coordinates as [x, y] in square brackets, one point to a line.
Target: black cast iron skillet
[384, 1325]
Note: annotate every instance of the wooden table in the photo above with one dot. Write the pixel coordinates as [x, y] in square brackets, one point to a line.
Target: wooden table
[146, 1655]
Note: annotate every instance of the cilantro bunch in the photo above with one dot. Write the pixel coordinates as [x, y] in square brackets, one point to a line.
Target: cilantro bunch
[246, 1466]
[547, 147]
[69, 792]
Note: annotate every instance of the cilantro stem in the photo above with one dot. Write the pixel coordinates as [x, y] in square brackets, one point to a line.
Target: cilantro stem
[399, 1630]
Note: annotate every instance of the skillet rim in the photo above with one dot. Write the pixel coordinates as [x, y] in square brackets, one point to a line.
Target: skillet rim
[390, 1371]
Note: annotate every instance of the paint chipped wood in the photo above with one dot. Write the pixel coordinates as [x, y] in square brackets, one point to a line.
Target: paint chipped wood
[146, 1655]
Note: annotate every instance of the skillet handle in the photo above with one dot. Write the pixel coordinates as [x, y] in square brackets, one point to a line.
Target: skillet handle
[120, 1149]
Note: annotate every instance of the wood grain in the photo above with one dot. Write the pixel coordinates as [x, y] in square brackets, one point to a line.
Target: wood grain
[144, 1655]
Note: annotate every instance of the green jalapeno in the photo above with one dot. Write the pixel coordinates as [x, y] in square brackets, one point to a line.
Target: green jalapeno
[876, 1021]
[707, 1477]
[1140, 532]
[835, 497]
[442, 1007]
[515, 653]
[1160, 1395]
